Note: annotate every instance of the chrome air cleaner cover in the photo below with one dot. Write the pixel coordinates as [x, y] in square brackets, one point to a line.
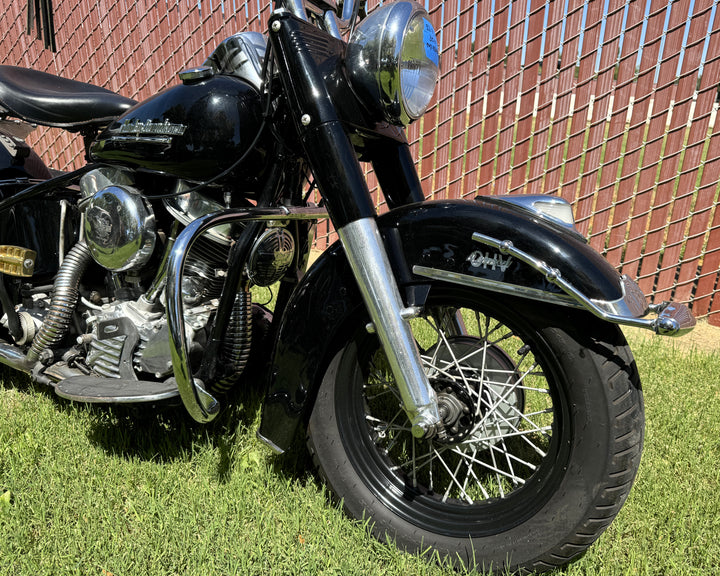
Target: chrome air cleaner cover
[119, 228]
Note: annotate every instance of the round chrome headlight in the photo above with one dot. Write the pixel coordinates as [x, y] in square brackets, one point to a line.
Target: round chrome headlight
[393, 62]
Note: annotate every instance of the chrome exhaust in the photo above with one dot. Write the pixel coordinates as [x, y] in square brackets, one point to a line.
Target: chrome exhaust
[15, 358]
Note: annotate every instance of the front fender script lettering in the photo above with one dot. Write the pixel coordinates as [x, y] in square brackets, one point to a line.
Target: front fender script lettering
[487, 260]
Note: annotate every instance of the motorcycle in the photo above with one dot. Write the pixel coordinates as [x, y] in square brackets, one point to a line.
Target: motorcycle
[457, 366]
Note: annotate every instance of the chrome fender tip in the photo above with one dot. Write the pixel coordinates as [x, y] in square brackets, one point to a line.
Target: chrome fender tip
[673, 319]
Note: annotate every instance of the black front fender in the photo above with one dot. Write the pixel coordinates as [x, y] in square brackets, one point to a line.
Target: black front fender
[426, 243]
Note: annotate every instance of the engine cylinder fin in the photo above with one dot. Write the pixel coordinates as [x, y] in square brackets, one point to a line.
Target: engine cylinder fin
[204, 271]
[105, 356]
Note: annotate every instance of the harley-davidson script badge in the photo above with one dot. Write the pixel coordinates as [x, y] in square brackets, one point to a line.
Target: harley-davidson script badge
[166, 128]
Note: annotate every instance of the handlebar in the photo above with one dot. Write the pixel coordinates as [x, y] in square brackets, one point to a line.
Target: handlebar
[337, 16]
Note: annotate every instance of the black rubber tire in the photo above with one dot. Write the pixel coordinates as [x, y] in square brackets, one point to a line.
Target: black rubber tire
[553, 512]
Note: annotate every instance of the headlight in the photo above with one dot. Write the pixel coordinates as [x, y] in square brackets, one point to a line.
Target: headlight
[393, 62]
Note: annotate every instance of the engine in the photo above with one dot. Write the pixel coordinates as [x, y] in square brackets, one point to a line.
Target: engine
[104, 315]
[124, 340]
[124, 332]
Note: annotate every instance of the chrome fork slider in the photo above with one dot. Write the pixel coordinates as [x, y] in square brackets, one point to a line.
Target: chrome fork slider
[370, 265]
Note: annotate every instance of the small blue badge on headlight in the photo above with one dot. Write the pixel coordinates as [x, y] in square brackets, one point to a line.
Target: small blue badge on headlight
[431, 47]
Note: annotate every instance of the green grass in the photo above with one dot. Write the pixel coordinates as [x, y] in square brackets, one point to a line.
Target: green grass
[671, 521]
[95, 491]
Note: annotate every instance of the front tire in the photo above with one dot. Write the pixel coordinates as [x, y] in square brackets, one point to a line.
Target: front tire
[543, 416]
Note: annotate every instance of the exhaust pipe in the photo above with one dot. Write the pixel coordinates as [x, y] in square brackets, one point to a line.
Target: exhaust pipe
[64, 300]
[15, 358]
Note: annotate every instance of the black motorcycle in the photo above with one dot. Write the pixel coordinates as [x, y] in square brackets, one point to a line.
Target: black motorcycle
[457, 366]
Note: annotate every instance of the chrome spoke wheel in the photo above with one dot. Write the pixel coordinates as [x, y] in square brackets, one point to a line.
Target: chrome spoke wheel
[496, 406]
[542, 432]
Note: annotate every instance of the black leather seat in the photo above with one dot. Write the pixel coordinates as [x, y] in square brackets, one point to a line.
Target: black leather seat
[50, 100]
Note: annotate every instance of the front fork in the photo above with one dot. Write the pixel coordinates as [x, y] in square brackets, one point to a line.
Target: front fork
[304, 58]
[370, 265]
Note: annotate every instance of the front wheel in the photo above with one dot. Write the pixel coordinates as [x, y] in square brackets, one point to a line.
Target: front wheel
[543, 429]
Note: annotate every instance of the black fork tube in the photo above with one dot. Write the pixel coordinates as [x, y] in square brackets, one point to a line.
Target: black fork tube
[327, 147]
[395, 170]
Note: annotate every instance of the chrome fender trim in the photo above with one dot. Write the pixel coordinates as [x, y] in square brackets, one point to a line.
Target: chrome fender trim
[630, 310]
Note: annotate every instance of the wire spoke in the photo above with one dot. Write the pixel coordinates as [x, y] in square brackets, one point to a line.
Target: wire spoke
[454, 481]
[471, 473]
[421, 462]
[497, 471]
[503, 410]
[514, 458]
[504, 436]
[382, 427]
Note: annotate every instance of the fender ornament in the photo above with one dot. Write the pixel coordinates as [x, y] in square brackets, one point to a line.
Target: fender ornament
[487, 260]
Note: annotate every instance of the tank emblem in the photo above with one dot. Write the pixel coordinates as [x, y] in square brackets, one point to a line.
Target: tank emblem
[138, 127]
[479, 260]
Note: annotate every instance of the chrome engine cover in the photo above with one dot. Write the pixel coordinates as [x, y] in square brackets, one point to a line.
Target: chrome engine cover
[119, 228]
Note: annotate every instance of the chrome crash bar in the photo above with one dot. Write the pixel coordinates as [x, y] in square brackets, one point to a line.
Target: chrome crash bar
[200, 404]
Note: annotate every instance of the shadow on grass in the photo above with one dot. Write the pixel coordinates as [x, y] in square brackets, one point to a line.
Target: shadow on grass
[165, 433]
[13, 380]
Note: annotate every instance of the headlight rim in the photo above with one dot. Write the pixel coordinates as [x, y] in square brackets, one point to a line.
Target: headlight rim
[374, 61]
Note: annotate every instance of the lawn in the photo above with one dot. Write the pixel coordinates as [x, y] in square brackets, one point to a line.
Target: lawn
[92, 491]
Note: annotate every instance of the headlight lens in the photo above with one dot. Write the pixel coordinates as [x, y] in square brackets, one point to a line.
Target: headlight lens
[393, 62]
[419, 68]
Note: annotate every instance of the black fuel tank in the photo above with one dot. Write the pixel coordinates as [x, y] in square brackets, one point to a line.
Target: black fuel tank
[194, 131]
